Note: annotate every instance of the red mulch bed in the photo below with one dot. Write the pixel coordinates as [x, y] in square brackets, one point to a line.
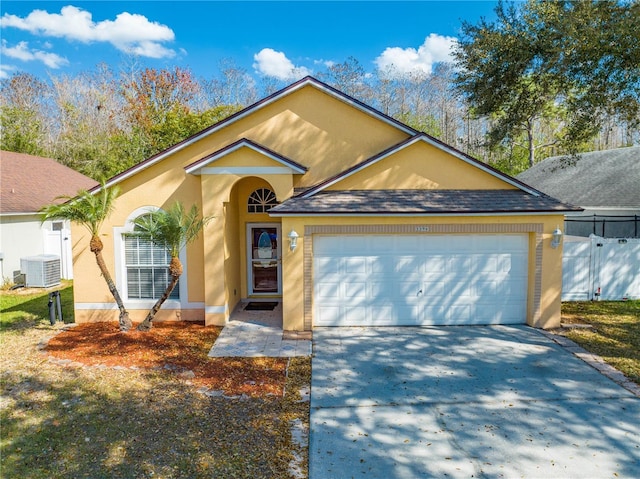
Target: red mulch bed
[179, 345]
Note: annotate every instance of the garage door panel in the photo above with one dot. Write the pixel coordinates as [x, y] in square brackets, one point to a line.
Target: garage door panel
[489, 263]
[435, 264]
[459, 314]
[506, 314]
[327, 291]
[354, 265]
[408, 265]
[431, 314]
[408, 290]
[433, 288]
[461, 289]
[328, 315]
[356, 315]
[376, 290]
[380, 264]
[506, 289]
[460, 263]
[420, 279]
[355, 290]
[383, 314]
[517, 264]
[487, 288]
[326, 265]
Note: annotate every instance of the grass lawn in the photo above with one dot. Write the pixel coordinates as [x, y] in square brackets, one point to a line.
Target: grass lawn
[615, 335]
[60, 419]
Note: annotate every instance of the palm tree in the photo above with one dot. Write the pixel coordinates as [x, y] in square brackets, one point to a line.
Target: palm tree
[172, 230]
[91, 210]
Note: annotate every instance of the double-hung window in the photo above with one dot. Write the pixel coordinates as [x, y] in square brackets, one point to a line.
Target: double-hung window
[147, 267]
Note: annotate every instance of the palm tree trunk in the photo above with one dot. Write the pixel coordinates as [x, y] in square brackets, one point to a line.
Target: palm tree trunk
[124, 321]
[146, 324]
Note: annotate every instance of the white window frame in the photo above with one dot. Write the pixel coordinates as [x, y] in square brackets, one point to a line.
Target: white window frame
[119, 234]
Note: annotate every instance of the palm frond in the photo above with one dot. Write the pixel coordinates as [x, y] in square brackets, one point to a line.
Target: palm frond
[87, 209]
[171, 229]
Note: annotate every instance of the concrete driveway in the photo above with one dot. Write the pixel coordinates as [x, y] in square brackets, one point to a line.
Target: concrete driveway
[460, 401]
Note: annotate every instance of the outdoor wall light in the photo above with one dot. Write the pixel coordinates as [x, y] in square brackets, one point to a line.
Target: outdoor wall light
[293, 240]
[556, 238]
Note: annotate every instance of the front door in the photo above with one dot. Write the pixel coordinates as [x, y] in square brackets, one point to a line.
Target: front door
[264, 259]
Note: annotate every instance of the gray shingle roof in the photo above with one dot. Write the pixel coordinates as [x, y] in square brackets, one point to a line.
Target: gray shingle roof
[30, 182]
[388, 202]
[609, 178]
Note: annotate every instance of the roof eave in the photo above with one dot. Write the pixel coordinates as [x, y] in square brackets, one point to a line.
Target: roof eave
[422, 213]
[245, 143]
[19, 213]
[405, 144]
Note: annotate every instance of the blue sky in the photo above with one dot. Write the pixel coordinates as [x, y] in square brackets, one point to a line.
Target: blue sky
[285, 40]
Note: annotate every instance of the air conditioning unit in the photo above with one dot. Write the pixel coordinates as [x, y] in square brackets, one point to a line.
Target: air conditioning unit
[41, 271]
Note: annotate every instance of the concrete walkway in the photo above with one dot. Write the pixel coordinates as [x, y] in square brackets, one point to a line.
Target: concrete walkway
[259, 334]
[462, 402]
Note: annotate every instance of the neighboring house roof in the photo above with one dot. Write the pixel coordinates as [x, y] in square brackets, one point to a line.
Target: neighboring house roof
[30, 182]
[422, 202]
[609, 178]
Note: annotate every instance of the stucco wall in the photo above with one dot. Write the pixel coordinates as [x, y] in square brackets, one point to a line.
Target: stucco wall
[421, 166]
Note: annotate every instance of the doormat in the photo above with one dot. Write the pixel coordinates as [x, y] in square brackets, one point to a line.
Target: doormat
[260, 306]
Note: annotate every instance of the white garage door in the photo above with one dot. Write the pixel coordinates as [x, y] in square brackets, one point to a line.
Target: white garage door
[377, 280]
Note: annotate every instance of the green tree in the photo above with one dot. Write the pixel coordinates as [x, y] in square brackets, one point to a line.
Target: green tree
[425, 123]
[173, 230]
[573, 62]
[23, 114]
[91, 210]
[21, 131]
[162, 108]
[154, 100]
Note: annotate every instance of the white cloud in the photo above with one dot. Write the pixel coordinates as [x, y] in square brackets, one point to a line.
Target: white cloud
[6, 70]
[22, 52]
[275, 64]
[130, 33]
[398, 61]
[324, 63]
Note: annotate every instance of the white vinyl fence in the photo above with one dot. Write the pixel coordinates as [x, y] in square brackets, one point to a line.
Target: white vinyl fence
[600, 268]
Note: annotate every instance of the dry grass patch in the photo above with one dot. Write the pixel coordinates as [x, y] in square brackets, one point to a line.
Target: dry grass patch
[62, 421]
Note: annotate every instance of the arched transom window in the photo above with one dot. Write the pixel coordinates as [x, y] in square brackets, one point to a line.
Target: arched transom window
[261, 201]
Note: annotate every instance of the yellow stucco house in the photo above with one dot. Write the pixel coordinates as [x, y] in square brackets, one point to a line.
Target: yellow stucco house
[345, 215]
